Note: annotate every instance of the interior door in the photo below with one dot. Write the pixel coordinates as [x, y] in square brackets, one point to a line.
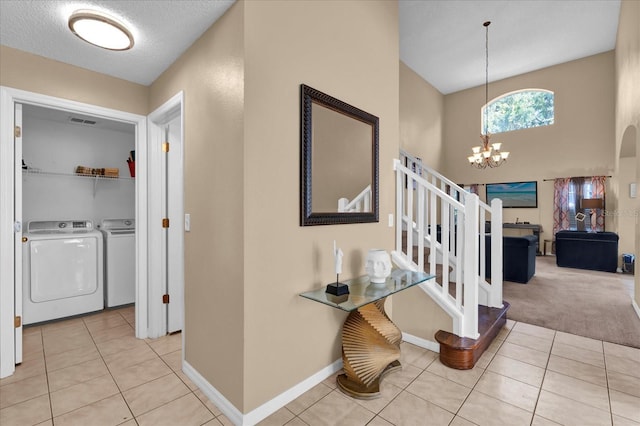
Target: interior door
[18, 231]
[166, 201]
[175, 212]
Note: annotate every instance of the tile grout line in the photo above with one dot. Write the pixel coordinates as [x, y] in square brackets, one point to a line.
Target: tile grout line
[404, 389]
[606, 376]
[111, 374]
[46, 372]
[555, 340]
[480, 378]
[546, 368]
[133, 416]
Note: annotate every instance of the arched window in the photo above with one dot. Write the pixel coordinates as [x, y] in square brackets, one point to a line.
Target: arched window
[519, 110]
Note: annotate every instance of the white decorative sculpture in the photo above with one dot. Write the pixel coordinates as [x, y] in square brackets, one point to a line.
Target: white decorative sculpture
[378, 265]
[337, 258]
[337, 288]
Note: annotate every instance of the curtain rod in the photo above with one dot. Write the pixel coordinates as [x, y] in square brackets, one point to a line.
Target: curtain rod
[571, 177]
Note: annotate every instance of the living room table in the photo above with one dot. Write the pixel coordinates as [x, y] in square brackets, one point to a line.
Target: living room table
[370, 340]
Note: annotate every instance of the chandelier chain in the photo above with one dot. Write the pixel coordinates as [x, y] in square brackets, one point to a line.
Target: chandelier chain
[486, 77]
[487, 155]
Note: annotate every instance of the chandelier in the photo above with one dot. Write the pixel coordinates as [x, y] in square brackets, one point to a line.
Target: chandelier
[487, 154]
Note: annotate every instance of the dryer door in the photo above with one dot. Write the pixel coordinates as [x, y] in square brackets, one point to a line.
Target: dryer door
[62, 268]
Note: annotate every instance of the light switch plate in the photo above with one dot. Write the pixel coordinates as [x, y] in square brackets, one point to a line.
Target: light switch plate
[390, 220]
[187, 222]
[633, 190]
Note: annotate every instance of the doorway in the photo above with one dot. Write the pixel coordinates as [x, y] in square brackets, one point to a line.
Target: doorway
[628, 175]
[10, 217]
[166, 247]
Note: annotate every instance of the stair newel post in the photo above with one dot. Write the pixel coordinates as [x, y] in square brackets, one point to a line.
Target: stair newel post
[495, 297]
[469, 326]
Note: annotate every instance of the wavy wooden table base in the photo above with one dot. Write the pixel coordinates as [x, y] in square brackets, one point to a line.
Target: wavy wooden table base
[370, 341]
[370, 350]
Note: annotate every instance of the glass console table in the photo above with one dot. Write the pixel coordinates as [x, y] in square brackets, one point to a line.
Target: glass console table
[370, 341]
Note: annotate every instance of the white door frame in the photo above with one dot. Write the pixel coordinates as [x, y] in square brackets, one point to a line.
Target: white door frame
[158, 313]
[8, 98]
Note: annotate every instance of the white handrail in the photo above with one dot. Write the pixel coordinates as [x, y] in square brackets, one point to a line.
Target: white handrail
[427, 171]
[360, 203]
[440, 216]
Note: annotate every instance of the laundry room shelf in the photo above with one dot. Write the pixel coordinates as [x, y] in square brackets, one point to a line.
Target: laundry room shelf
[92, 178]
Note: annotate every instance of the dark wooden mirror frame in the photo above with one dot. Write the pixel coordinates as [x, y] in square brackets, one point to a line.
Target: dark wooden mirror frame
[308, 97]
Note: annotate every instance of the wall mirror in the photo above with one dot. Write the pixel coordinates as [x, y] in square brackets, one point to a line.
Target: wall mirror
[339, 161]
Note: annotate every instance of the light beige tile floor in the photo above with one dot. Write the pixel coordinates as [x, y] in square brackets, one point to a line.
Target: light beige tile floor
[92, 371]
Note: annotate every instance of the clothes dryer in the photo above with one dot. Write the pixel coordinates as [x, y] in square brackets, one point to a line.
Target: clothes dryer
[62, 268]
[119, 261]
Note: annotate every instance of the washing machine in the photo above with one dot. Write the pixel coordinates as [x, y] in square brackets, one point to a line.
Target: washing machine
[119, 261]
[62, 270]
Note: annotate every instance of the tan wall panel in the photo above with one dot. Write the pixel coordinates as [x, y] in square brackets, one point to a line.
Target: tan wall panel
[580, 143]
[417, 314]
[348, 50]
[33, 73]
[421, 121]
[627, 66]
[211, 74]
[421, 118]
[626, 211]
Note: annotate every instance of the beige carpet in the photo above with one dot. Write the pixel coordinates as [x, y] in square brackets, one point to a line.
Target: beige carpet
[587, 303]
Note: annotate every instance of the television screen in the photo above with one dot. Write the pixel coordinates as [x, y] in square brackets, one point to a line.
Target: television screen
[514, 194]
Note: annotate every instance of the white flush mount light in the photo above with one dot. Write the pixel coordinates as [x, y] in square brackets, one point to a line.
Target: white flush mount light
[100, 30]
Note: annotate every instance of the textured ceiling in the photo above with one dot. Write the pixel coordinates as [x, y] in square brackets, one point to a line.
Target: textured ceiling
[443, 41]
[163, 30]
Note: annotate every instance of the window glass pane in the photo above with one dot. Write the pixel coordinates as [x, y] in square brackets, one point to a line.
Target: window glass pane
[520, 110]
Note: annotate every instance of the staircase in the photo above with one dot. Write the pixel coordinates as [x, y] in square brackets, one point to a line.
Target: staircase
[360, 203]
[440, 229]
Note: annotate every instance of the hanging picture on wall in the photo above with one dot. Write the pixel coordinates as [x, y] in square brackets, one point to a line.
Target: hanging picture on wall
[514, 194]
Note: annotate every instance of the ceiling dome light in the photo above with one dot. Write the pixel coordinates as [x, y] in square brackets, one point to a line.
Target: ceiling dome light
[100, 30]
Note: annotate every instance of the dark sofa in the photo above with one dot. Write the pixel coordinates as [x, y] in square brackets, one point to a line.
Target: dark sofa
[518, 258]
[587, 250]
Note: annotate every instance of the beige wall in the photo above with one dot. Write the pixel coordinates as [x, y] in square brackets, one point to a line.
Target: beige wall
[247, 258]
[211, 75]
[349, 50]
[580, 143]
[625, 212]
[421, 119]
[33, 73]
[627, 70]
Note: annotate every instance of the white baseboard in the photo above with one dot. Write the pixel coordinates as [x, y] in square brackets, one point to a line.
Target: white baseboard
[266, 409]
[635, 307]
[423, 343]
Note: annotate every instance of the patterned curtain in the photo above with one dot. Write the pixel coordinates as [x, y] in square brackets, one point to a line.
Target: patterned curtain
[561, 208]
[568, 194]
[597, 185]
[576, 195]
